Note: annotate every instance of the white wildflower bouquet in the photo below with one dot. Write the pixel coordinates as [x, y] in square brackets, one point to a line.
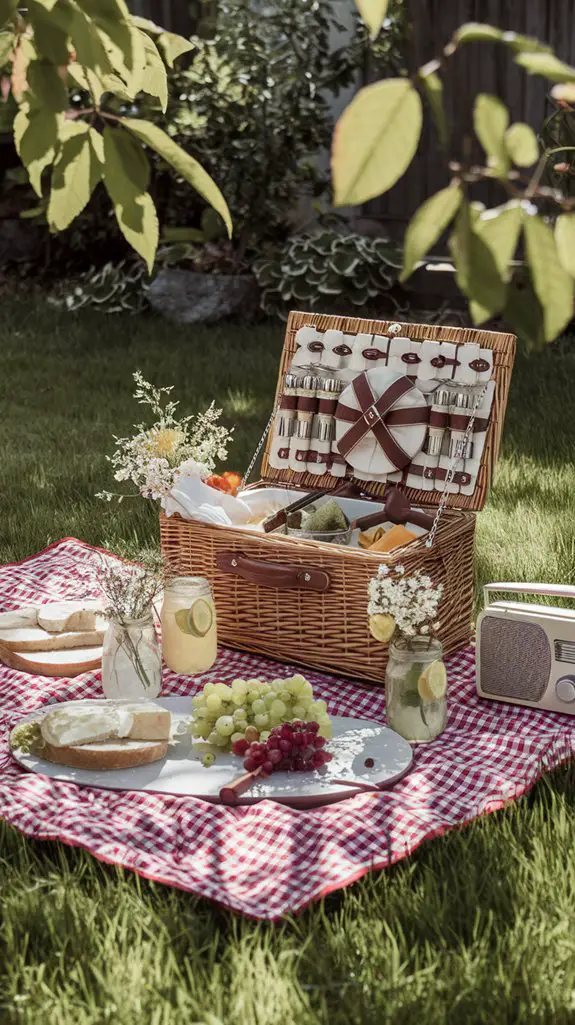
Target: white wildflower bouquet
[402, 605]
[171, 447]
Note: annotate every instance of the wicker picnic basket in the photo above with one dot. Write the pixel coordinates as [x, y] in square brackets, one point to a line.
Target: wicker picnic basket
[304, 601]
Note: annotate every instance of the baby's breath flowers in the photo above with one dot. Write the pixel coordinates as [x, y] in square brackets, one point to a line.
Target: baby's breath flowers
[402, 605]
[171, 447]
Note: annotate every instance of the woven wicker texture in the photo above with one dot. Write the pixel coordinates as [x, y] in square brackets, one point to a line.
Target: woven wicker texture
[329, 630]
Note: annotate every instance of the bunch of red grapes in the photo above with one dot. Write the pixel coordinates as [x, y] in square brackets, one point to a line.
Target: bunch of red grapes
[293, 747]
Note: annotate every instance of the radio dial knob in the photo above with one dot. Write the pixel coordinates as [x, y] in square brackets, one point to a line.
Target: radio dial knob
[565, 689]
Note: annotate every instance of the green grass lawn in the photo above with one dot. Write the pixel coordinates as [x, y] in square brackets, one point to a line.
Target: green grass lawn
[476, 927]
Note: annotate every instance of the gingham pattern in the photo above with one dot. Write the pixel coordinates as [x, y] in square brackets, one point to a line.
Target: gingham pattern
[267, 860]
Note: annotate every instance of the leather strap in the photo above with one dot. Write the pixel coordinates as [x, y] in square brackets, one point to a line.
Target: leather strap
[440, 473]
[372, 417]
[288, 401]
[273, 574]
[459, 422]
[407, 417]
[306, 404]
[438, 419]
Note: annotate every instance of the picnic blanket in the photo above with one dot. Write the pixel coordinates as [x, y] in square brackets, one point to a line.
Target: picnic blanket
[267, 860]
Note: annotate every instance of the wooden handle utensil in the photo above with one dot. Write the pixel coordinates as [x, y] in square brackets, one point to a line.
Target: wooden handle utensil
[232, 791]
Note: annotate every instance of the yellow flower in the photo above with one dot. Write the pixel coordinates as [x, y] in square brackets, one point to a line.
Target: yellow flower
[382, 627]
[165, 443]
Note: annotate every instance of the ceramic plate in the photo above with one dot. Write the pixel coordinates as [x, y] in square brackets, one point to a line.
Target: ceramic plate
[182, 773]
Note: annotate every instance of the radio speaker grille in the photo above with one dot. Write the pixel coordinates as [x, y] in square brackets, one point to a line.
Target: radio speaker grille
[515, 659]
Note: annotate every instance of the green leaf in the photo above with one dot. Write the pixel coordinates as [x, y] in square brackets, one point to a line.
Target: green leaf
[134, 207]
[50, 37]
[213, 227]
[490, 121]
[97, 144]
[546, 64]
[565, 241]
[36, 138]
[90, 50]
[183, 163]
[344, 263]
[499, 229]
[521, 144]
[125, 47]
[146, 25]
[46, 89]
[87, 80]
[433, 88]
[74, 178]
[476, 271]
[7, 41]
[552, 284]
[129, 156]
[477, 32]
[373, 13]
[48, 5]
[173, 46]
[154, 78]
[427, 224]
[7, 9]
[172, 233]
[524, 314]
[375, 140]
[524, 44]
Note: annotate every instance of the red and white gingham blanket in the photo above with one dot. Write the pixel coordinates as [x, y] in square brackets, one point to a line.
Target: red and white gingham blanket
[268, 860]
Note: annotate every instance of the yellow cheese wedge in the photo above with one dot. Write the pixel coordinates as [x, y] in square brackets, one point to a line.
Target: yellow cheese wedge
[393, 538]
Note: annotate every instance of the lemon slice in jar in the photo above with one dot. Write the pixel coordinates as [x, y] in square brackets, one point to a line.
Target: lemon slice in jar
[432, 684]
[196, 620]
[382, 626]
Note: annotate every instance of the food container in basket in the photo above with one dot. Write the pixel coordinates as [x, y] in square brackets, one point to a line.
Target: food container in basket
[304, 601]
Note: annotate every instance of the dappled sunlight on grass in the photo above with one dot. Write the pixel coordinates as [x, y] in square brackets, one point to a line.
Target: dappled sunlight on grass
[474, 929]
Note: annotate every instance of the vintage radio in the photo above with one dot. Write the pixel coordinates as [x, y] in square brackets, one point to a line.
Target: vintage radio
[377, 404]
[526, 653]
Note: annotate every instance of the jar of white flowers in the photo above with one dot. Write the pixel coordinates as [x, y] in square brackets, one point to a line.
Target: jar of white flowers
[402, 613]
[132, 658]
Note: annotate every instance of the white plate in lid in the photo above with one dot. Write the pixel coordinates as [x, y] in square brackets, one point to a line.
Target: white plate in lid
[182, 774]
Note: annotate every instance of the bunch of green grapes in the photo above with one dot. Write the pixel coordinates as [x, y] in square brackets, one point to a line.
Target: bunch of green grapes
[222, 712]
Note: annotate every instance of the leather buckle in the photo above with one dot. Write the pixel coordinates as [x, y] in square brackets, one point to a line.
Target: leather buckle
[371, 416]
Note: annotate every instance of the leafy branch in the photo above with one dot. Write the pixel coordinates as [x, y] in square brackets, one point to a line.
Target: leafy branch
[375, 141]
[53, 46]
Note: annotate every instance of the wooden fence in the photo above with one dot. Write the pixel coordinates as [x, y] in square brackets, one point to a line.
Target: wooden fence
[477, 67]
[174, 15]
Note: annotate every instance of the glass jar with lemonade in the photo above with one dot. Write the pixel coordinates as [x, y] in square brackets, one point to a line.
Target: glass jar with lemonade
[189, 631]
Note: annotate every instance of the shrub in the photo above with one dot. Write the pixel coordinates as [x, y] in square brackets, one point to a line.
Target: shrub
[327, 271]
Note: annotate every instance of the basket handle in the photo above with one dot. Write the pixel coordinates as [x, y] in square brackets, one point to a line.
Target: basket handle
[273, 574]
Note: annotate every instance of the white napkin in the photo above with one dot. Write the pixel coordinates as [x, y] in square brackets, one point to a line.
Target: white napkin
[195, 500]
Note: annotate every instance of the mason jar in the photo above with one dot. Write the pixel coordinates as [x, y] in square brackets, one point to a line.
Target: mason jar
[189, 629]
[416, 689]
[131, 659]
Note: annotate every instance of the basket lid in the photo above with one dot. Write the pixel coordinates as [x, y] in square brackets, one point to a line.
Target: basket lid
[503, 348]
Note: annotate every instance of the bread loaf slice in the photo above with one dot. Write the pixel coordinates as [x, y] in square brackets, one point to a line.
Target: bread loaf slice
[32, 638]
[107, 755]
[26, 616]
[67, 616]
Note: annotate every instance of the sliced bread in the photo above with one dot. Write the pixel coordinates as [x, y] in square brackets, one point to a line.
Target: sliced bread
[107, 755]
[33, 638]
[26, 616]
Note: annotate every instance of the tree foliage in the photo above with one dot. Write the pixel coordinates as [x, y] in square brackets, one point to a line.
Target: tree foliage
[375, 141]
[54, 46]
